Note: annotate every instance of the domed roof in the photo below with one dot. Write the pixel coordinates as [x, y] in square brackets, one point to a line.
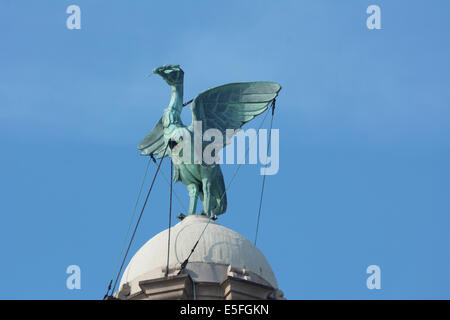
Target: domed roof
[219, 247]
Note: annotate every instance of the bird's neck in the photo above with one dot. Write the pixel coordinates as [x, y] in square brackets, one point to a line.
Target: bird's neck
[176, 100]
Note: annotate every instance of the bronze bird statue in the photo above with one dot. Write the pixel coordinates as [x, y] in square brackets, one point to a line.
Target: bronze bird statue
[223, 109]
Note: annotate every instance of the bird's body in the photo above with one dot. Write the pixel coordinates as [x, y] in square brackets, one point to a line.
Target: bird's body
[206, 183]
[221, 108]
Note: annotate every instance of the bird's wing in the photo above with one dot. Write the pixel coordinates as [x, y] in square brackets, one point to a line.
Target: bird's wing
[232, 105]
[154, 143]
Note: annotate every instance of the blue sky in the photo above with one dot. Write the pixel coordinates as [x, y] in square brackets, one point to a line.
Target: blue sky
[364, 126]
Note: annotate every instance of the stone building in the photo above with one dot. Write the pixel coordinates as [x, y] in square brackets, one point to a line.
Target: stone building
[224, 265]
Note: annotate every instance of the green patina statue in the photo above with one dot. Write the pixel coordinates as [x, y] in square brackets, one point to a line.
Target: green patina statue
[222, 110]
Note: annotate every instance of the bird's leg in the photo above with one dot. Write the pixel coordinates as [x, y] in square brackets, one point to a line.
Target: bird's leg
[206, 196]
[193, 194]
[200, 195]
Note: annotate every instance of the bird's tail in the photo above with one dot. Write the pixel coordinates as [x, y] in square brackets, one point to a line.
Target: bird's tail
[219, 195]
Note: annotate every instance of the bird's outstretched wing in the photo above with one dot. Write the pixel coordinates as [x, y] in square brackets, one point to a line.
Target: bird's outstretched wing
[232, 105]
[154, 143]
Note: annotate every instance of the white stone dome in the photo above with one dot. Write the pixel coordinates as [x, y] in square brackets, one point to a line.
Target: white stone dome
[218, 248]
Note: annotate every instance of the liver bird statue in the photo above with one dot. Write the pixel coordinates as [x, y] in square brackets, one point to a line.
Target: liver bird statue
[224, 108]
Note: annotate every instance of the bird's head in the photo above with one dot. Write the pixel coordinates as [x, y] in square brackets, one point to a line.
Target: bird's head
[173, 74]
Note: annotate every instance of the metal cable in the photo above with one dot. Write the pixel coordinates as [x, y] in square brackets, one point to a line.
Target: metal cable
[264, 177]
[139, 220]
[186, 261]
[170, 217]
[129, 224]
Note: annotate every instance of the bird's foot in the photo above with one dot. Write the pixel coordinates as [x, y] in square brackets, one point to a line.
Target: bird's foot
[210, 216]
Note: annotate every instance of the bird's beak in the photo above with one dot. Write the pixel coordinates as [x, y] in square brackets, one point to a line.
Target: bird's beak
[154, 71]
